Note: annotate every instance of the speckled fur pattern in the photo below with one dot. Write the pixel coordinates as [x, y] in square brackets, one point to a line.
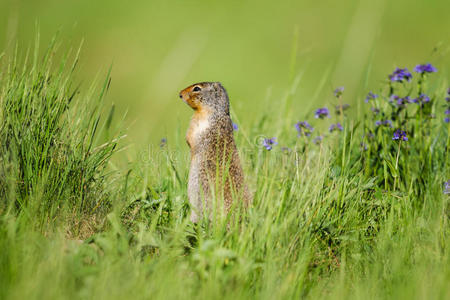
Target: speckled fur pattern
[215, 171]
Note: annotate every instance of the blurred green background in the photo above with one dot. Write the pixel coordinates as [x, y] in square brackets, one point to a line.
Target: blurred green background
[255, 48]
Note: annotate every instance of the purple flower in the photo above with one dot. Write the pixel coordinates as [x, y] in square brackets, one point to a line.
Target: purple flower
[338, 92]
[286, 149]
[163, 142]
[400, 75]
[422, 99]
[375, 110]
[447, 188]
[342, 107]
[371, 96]
[387, 123]
[447, 99]
[336, 126]
[400, 135]
[269, 143]
[399, 101]
[318, 139]
[394, 98]
[363, 146]
[447, 119]
[425, 68]
[322, 113]
[235, 127]
[304, 128]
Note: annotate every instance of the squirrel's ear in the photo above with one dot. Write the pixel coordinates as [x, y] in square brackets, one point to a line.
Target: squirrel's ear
[217, 86]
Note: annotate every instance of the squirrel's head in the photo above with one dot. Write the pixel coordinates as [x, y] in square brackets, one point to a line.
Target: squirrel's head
[206, 95]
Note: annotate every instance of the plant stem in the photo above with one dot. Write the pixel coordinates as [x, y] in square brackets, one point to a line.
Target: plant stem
[396, 164]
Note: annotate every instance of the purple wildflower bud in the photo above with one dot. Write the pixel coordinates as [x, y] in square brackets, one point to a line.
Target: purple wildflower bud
[363, 146]
[336, 126]
[286, 149]
[387, 123]
[447, 112]
[399, 101]
[447, 99]
[400, 75]
[163, 142]
[425, 68]
[304, 128]
[342, 107]
[371, 96]
[406, 100]
[235, 127]
[447, 120]
[447, 187]
[375, 110]
[400, 135]
[394, 98]
[322, 113]
[318, 139]
[269, 143]
[338, 91]
[421, 100]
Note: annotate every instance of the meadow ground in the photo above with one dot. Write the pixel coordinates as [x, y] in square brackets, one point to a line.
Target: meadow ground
[349, 202]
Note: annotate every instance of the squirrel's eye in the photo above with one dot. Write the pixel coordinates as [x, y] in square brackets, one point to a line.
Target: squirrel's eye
[197, 89]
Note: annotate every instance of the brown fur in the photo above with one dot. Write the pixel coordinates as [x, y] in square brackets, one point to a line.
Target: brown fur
[215, 171]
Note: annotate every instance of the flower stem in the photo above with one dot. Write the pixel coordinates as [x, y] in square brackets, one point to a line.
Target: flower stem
[396, 164]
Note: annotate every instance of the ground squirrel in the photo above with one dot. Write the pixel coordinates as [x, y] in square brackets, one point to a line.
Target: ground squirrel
[215, 171]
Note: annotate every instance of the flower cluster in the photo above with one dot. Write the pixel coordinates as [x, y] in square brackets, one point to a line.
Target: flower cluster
[400, 75]
[318, 139]
[399, 114]
[387, 123]
[421, 100]
[338, 92]
[399, 101]
[400, 135]
[425, 68]
[375, 110]
[371, 96]
[336, 126]
[269, 143]
[447, 187]
[395, 115]
[235, 127]
[342, 107]
[304, 128]
[322, 113]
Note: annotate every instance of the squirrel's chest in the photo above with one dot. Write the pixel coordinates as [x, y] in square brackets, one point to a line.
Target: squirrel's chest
[197, 128]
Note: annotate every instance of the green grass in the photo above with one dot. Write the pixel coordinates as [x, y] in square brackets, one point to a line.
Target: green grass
[328, 220]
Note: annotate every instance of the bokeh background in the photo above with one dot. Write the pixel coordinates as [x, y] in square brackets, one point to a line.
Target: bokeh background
[260, 50]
